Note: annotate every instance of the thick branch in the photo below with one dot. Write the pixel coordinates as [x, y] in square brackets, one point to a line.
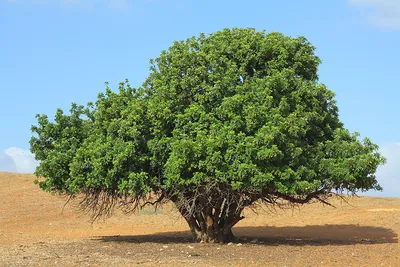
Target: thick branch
[161, 198]
[315, 195]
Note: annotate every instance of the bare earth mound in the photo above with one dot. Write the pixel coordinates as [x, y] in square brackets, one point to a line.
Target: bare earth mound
[35, 230]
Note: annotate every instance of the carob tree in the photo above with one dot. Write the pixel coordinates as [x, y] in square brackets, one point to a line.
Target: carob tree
[222, 122]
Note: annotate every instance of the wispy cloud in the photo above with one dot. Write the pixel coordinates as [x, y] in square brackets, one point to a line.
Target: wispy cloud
[119, 4]
[115, 4]
[17, 160]
[381, 13]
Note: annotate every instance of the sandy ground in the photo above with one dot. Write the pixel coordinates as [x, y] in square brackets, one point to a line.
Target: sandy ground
[36, 231]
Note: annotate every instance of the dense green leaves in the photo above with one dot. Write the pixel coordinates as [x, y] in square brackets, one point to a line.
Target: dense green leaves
[239, 108]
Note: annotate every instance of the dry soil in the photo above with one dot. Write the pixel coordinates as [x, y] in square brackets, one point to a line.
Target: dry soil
[35, 230]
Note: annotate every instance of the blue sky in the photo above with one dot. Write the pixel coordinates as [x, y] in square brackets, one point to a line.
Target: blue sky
[54, 52]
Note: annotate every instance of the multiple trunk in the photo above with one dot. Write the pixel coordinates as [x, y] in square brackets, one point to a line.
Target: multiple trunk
[212, 224]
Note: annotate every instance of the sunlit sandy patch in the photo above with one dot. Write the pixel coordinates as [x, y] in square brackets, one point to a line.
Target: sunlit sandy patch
[378, 210]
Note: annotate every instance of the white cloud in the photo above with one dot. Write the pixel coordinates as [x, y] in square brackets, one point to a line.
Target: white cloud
[17, 160]
[7, 163]
[381, 13]
[389, 175]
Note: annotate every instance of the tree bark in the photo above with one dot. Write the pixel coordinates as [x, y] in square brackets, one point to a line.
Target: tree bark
[209, 227]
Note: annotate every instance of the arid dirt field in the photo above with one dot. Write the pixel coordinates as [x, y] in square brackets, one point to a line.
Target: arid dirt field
[36, 231]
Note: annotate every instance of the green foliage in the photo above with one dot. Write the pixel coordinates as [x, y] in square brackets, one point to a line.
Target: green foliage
[238, 108]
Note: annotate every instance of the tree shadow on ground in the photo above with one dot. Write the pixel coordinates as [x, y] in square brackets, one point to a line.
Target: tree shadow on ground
[314, 235]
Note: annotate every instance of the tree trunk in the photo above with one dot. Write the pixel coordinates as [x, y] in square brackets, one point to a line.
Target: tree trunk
[209, 227]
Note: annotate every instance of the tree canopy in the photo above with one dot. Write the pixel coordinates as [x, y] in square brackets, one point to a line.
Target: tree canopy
[222, 122]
